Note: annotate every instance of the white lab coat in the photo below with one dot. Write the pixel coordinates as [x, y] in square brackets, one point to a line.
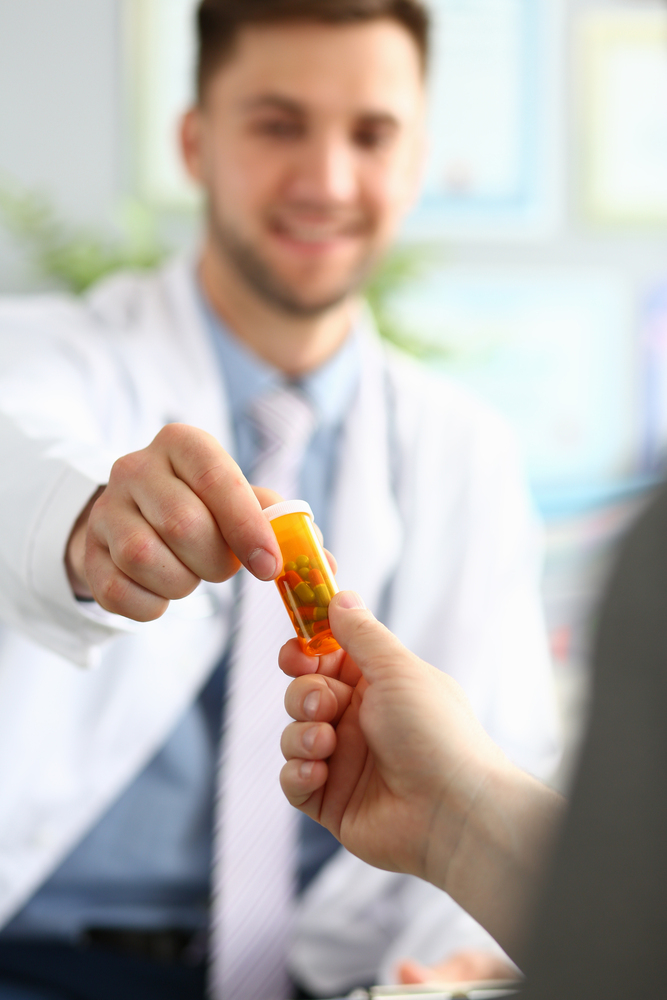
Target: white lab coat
[430, 523]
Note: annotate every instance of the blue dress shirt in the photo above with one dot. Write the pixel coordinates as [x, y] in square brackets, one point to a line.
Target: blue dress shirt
[146, 864]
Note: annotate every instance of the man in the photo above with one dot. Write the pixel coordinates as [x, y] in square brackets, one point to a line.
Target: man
[119, 416]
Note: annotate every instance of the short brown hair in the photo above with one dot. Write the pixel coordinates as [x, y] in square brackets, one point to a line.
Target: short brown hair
[219, 22]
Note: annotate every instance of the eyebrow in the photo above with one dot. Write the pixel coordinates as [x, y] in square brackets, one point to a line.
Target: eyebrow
[380, 118]
[278, 102]
[274, 102]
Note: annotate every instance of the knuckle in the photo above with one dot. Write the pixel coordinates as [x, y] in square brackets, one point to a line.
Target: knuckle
[114, 593]
[98, 506]
[182, 524]
[173, 434]
[111, 592]
[136, 551]
[363, 628]
[125, 467]
[217, 477]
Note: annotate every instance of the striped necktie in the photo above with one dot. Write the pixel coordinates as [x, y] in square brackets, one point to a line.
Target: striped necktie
[256, 835]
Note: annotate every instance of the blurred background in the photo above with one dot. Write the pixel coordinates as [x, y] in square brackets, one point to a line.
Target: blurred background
[534, 268]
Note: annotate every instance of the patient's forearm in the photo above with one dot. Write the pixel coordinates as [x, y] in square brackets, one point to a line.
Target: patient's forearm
[503, 852]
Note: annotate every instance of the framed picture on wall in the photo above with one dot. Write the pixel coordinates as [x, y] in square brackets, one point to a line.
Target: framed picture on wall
[495, 130]
[623, 64]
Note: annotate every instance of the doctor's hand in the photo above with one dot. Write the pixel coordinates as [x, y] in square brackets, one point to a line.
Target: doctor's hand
[387, 754]
[172, 514]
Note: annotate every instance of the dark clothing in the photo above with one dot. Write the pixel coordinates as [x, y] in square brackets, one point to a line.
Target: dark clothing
[56, 971]
[42, 971]
[602, 929]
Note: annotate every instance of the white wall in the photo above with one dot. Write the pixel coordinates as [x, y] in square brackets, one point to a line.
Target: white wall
[61, 112]
[65, 127]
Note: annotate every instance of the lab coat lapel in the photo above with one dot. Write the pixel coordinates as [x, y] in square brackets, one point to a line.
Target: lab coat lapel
[194, 359]
[366, 528]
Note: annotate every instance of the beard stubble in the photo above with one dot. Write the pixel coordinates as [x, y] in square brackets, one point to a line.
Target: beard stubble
[269, 287]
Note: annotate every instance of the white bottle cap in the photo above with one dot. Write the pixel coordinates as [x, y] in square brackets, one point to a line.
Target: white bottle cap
[288, 507]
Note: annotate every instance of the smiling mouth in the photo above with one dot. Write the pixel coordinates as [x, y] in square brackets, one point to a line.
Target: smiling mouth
[316, 233]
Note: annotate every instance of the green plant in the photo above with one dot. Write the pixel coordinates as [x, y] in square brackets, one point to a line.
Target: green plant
[76, 257]
[403, 266]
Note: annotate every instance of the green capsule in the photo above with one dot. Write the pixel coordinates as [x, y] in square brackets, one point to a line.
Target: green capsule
[290, 567]
[319, 614]
[302, 561]
[304, 593]
[304, 572]
[322, 595]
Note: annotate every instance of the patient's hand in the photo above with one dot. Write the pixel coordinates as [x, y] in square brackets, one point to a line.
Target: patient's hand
[386, 752]
[390, 760]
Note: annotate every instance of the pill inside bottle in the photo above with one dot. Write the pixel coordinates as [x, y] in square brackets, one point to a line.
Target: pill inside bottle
[306, 583]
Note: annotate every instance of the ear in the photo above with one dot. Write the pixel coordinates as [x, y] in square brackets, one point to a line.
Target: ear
[191, 143]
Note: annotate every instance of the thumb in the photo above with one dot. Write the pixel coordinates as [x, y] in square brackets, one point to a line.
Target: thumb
[374, 649]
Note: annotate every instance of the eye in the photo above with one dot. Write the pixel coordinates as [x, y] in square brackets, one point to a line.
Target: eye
[373, 136]
[278, 128]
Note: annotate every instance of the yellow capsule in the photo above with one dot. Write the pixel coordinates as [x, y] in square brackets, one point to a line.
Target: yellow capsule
[304, 592]
[322, 595]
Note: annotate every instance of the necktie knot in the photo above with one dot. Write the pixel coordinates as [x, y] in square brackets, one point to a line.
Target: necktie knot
[284, 420]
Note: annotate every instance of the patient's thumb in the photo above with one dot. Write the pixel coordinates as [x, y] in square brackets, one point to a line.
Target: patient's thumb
[372, 646]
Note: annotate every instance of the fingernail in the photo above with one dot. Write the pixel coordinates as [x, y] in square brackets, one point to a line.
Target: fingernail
[350, 600]
[309, 737]
[311, 703]
[306, 769]
[263, 564]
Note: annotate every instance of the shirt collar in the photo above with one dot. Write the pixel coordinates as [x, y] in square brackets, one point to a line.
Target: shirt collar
[330, 387]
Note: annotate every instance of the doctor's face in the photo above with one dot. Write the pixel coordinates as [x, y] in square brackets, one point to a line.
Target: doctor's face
[308, 143]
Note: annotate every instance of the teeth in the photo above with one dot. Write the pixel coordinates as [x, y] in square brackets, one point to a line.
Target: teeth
[310, 232]
[312, 235]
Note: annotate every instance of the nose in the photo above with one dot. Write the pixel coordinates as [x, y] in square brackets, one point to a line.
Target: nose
[326, 171]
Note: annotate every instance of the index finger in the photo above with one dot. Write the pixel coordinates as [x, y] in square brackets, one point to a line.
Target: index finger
[213, 475]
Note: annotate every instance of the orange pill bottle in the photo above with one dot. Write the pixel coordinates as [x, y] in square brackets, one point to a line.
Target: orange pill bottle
[306, 583]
